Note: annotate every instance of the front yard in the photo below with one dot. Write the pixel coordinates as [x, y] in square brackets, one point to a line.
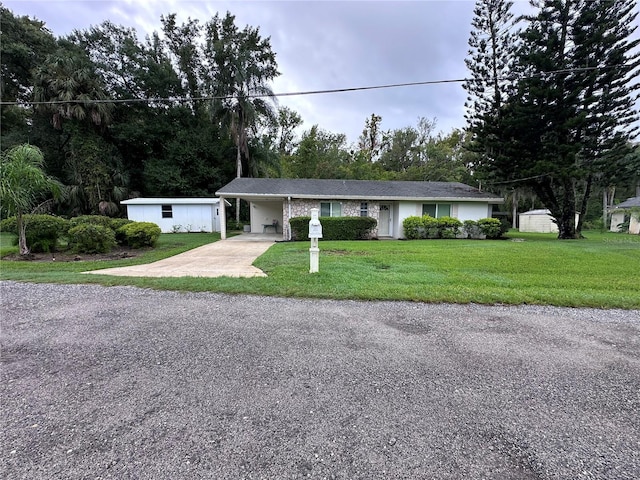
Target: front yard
[600, 271]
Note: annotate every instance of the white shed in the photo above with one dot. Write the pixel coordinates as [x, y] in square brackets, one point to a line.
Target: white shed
[539, 221]
[176, 214]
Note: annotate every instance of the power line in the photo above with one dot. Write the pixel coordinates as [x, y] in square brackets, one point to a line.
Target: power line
[292, 94]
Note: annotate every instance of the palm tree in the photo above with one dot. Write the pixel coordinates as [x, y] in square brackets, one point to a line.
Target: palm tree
[242, 63]
[68, 80]
[23, 184]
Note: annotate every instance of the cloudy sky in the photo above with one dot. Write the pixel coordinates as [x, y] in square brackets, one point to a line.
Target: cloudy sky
[324, 45]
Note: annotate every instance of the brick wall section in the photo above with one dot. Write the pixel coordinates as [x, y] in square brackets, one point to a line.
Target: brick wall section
[302, 208]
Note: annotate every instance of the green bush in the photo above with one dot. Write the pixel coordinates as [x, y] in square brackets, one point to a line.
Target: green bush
[42, 231]
[431, 227]
[413, 227]
[334, 228]
[91, 238]
[490, 227]
[233, 225]
[449, 227]
[116, 223]
[140, 234]
[471, 229]
[91, 220]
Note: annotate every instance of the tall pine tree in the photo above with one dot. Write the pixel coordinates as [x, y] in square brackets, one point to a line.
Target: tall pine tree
[569, 120]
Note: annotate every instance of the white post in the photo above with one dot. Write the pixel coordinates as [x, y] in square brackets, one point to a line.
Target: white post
[315, 232]
[223, 219]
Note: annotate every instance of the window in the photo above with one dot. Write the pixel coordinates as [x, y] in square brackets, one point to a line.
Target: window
[330, 209]
[436, 210]
[167, 211]
[364, 209]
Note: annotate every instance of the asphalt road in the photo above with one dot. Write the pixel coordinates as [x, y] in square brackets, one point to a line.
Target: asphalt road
[124, 383]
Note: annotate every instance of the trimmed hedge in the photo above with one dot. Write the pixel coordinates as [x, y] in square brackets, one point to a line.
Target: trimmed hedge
[42, 231]
[491, 227]
[91, 238]
[334, 228]
[428, 227]
[447, 227]
[139, 234]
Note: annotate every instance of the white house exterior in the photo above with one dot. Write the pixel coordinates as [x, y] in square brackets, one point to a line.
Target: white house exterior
[176, 214]
[623, 210]
[273, 201]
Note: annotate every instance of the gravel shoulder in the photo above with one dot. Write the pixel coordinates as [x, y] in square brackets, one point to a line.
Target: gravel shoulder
[121, 382]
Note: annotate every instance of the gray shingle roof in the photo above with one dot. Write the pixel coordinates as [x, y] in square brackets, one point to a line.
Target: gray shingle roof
[353, 189]
[630, 202]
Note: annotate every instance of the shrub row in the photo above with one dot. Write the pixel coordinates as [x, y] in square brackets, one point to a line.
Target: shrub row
[85, 234]
[427, 227]
[334, 228]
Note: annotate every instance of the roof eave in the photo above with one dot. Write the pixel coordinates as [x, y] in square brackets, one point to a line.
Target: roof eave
[359, 197]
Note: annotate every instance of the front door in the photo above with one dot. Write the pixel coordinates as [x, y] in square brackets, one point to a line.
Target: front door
[384, 220]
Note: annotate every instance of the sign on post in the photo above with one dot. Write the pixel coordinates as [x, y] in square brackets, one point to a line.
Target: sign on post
[315, 232]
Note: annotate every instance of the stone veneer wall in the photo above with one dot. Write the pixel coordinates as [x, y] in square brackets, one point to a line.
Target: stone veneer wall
[302, 208]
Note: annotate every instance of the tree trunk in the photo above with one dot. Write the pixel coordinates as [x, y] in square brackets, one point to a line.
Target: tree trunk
[22, 235]
[514, 208]
[238, 175]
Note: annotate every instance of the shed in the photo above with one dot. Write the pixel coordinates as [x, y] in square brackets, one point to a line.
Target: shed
[176, 214]
[625, 211]
[539, 221]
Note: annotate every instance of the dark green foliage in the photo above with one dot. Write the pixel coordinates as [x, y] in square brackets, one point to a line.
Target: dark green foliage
[334, 228]
[233, 225]
[116, 223]
[91, 220]
[140, 234]
[564, 128]
[42, 231]
[491, 227]
[413, 227]
[91, 238]
[428, 227]
[471, 229]
[449, 227]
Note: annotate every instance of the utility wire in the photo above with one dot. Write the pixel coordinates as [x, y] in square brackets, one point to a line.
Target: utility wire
[292, 94]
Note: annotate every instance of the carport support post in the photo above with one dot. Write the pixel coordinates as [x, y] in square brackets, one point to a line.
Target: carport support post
[223, 219]
[315, 232]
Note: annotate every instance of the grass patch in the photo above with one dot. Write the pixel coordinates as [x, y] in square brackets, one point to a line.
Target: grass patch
[599, 271]
[7, 246]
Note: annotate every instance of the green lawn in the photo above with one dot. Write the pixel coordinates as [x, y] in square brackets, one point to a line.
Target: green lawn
[600, 271]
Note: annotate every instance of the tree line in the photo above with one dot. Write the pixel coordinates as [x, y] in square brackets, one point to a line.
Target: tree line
[201, 124]
[188, 108]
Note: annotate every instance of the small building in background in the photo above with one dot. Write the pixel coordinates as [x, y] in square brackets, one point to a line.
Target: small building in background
[175, 215]
[625, 212]
[538, 221]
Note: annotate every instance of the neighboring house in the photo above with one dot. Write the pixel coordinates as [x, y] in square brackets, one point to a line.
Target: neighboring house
[273, 201]
[622, 211]
[176, 214]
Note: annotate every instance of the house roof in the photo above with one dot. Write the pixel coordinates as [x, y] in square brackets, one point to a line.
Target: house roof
[630, 202]
[353, 189]
[171, 201]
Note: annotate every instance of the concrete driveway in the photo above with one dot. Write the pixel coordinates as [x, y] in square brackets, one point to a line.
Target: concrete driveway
[232, 257]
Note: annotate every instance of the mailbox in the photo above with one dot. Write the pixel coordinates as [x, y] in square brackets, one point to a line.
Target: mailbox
[315, 228]
[315, 231]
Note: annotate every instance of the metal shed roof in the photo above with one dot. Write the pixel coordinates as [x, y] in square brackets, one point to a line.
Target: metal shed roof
[171, 201]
